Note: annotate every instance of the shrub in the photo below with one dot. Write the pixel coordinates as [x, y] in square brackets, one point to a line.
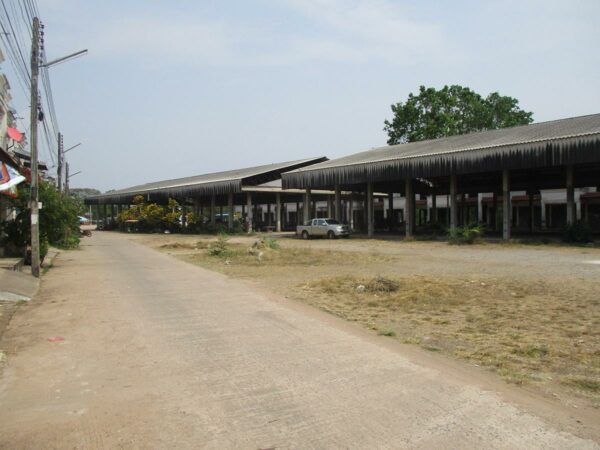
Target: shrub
[266, 242]
[220, 247]
[579, 232]
[59, 221]
[381, 284]
[465, 235]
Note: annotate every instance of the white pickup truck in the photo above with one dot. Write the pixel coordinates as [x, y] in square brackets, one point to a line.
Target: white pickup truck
[329, 228]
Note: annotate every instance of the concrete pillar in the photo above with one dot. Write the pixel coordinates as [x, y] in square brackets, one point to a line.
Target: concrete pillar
[370, 210]
[578, 207]
[433, 217]
[306, 206]
[570, 196]
[298, 213]
[351, 212]
[249, 213]
[390, 209]
[480, 208]
[338, 202]
[409, 207]
[495, 214]
[542, 211]
[230, 211]
[269, 219]
[279, 211]
[330, 212]
[531, 213]
[213, 209]
[506, 205]
[453, 208]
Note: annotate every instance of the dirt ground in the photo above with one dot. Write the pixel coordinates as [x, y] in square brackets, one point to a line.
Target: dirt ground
[529, 313]
[127, 347]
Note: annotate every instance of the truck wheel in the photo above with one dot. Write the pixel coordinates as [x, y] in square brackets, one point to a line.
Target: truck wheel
[330, 235]
[305, 234]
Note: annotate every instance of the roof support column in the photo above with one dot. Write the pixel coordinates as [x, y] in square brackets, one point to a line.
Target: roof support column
[434, 213]
[330, 212]
[351, 212]
[338, 202]
[249, 212]
[480, 207]
[390, 214]
[213, 209]
[542, 211]
[506, 205]
[370, 210]
[570, 196]
[409, 207]
[278, 211]
[453, 206]
[494, 215]
[230, 211]
[306, 207]
[531, 212]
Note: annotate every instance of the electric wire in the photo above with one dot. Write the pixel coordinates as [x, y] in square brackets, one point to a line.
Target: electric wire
[15, 25]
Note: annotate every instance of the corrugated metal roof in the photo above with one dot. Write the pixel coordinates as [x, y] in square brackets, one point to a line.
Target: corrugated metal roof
[207, 184]
[553, 143]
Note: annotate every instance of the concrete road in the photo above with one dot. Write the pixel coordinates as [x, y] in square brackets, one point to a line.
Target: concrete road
[158, 353]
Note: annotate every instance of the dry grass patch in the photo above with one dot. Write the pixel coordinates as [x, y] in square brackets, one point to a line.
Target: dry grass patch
[526, 333]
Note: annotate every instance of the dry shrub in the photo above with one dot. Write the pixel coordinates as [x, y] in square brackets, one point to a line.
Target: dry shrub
[381, 284]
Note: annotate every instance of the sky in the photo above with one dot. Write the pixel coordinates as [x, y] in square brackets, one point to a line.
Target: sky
[174, 89]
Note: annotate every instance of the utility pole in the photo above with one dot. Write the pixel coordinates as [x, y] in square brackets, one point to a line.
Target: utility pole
[67, 179]
[59, 169]
[34, 203]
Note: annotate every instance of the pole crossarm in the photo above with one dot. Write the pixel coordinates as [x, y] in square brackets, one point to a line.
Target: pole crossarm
[64, 58]
[71, 148]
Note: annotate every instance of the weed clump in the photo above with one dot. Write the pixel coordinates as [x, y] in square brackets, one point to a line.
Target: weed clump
[388, 333]
[465, 235]
[220, 247]
[381, 285]
[266, 242]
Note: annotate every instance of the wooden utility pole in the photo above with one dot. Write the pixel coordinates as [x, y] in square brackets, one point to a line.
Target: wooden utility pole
[34, 202]
[59, 169]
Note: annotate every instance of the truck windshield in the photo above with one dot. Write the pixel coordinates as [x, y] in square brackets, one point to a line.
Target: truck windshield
[333, 222]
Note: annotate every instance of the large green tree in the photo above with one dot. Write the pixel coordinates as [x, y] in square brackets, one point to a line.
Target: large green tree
[450, 111]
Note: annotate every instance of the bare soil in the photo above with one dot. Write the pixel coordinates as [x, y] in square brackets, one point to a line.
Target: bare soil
[529, 313]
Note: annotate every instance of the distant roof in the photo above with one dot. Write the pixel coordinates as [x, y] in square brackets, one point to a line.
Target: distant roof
[230, 181]
[558, 142]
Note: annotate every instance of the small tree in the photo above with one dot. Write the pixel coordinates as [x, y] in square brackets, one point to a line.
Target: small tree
[171, 218]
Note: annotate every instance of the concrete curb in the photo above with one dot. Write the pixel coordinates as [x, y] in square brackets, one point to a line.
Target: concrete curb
[22, 286]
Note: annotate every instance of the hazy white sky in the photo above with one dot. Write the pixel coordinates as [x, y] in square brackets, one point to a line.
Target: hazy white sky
[180, 88]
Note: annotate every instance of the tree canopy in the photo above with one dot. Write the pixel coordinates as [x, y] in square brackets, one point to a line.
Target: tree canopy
[450, 111]
[83, 192]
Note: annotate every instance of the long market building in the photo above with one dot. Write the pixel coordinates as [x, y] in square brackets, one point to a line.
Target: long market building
[533, 177]
[253, 192]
